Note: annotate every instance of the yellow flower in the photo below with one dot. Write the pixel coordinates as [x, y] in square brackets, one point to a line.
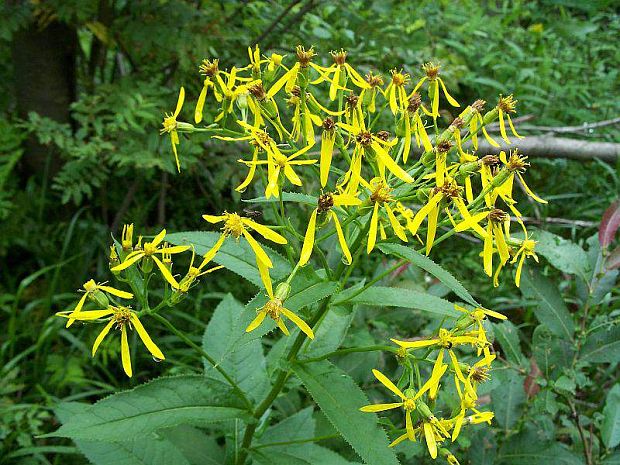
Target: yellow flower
[448, 190]
[381, 198]
[505, 106]
[328, 137]
[526, 250]
[194, 273]
[407, 399]
[275, 309]
[237, 226]
[339, 68]
[516, 164]
[414, 126]
[369, 95]
[434, 430]
[94, 291]
[289, 79]
[468, 400]
[434, 81]
[368, 144]
[122, 318]
[127, 237]
[149, 251]
[171, 126]
[231, 92]
[477, 119]
[210, 70]
[325, 204]
[395, 91]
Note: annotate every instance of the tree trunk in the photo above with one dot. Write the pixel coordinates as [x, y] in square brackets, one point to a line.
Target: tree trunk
[44, 63]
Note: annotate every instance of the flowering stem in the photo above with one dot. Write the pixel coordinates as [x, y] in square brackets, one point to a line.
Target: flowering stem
[204, 354]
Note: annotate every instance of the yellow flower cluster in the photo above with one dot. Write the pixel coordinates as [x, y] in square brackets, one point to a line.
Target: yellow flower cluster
[419, 403]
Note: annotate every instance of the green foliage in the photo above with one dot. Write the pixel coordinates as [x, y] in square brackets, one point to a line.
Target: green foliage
[162, 403]
[336, 393]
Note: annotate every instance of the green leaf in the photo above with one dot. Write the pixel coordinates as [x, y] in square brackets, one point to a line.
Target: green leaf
[340, 398]
[552, 353]
[245, 363]
[610, 429]
[297, 427]
[398, 297]
[602, 346]
[162, 403]
[507, 335]
[142, 450]
[508, 398]
[195, 445]
[332, 331]
[238, 257]
[287, 197]
[270, 457]
[431, 267]
[613, 459]
[551, 309]
[539, 454]
[564, 255]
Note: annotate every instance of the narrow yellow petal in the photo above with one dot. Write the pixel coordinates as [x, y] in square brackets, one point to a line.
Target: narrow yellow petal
[180, 101]
[263, 270]
[409, 426]
[282, 326]
[77, 309]
[125, 357]
[306, 250]
[333, 88]
[390, 164]
[250, 176]
[432, 228]
[430, 440]
[449, 98]
[327, 148]
[502, 127]
[211, 253]
[387, 383]
[165, 272]
[102, 335]
[372, 232]
[146, 339]
[116, 292]
[200, 104]
[380, 407]
[264, 231]
[256, 321]
[258, 250]
[214, 218]
[396, 227]
[299, 322]
[415, 344]
[529, 191]
[159, 238]
[128, 262]
[341, 239]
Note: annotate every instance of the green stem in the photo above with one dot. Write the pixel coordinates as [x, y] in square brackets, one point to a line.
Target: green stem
[350, 350]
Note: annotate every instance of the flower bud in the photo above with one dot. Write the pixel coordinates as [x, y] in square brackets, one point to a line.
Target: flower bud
[282, 291]
[423, 409]
[100, 298]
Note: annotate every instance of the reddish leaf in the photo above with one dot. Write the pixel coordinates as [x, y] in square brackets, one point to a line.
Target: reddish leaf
[530, 386]
[609, 224]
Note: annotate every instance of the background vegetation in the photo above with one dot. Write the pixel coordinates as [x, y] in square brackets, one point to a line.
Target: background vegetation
[83, 87]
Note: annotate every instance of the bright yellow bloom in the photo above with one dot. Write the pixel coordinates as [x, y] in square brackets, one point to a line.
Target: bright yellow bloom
[289, 79]
[127, 237]
[505, 106]
[194, 273]
[368, 144]
[434, 430]
[434, 81]
[171, 126]
[407, 399]
[325, 204]
[414, 126]
[231, 91]
[149, 251]
[237, 226]
[381, 198]
[449, 190]
[275, 309]
[210, 70]
[395, 91]
[526, 250]
[477, 119]
[122, 318]
[369, 95]
[339, 68]
[94, 291]
[444, 339]
[516, 164]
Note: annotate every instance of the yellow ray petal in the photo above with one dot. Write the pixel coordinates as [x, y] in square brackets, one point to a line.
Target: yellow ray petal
[430, 440]
[299, 322]
[116, 292]
[125, 357]
[372, 232]
[128, 261]
[380, 407]
[77, 309]
[146, 339]
[387, 383]
[341, 239]
[306, 250]
[180, 101]
[256, 321]
[264, 231]
[258, 250]
[101, 336]
[165, 272]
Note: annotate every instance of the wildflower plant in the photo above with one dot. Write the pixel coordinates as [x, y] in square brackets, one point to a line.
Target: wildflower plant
[346, 171]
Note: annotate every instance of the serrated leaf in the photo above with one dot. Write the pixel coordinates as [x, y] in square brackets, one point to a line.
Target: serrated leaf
[340, 398]
[287, 197]
[540, 454]
[162, 403]
[551, 309]
[431, 267]
[610, 429]
[507, 335]
[263, 457]
[331, 333]
[564, 255]
[508, 398]
[602, 346]
[237, 257]
[244, 363]
[150, 449]
[399, 297]
[297, 427]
